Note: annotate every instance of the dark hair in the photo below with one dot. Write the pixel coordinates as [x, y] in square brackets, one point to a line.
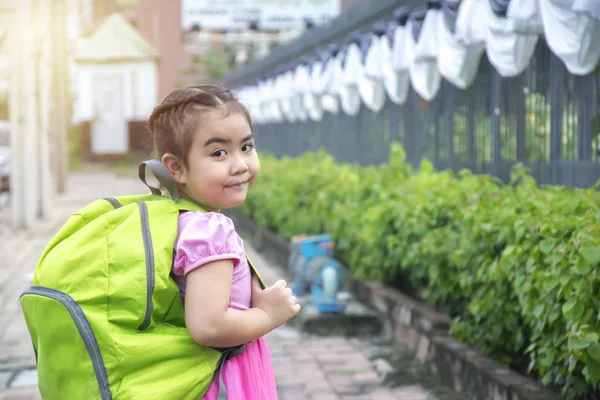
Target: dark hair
[174, 121]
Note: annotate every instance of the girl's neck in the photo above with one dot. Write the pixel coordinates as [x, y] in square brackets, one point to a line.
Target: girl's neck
[188, 198]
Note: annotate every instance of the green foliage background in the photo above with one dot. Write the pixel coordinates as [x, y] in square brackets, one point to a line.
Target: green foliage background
[517, 265]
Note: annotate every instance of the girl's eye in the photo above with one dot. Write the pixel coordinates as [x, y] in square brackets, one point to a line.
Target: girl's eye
[219, 153]
[247, 147]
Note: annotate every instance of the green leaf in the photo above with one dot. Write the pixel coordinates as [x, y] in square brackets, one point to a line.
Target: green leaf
[580, 386]
[591, 337]
[594, 351]
[577, 311]
[586, 341]
[593, 368]
[546, 246]
[550, 284]
[568, 306]
[530, 348]
[538, 310]
[546, 362]
[591, 254]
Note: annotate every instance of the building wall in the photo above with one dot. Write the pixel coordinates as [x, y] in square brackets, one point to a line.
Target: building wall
[139, 98]
[139, 94]
[159, 21]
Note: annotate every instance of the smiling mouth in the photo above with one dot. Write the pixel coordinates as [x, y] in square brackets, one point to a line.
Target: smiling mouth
[237, 185]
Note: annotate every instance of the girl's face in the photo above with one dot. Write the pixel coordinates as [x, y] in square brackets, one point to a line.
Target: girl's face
[222, 162]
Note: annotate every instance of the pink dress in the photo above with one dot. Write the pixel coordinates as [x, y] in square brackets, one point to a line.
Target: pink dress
[206, 237]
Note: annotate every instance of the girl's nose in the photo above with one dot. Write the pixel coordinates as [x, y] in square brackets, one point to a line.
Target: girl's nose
[239, 165]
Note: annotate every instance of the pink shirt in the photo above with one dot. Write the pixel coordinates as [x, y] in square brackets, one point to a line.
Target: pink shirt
[207, 237]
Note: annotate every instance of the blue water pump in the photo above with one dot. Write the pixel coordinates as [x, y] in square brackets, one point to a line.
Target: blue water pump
[317, 273]
[326, 288]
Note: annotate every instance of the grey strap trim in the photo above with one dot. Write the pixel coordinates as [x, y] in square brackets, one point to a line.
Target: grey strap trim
[35, 353]
[162, 175]
[227, 354]
[115, 203]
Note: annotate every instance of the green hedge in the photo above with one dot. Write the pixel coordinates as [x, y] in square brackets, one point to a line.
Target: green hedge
[516, 264]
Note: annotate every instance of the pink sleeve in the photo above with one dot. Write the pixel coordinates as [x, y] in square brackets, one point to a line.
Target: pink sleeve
[206, 237]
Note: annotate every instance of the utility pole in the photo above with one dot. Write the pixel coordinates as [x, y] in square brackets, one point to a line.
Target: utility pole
[61, 90]
[30, 111]
[43, 70]
[23, 116]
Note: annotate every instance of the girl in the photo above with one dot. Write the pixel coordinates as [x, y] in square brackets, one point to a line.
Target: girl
[204, 136]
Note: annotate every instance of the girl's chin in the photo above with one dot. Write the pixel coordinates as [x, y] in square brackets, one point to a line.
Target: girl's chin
[233, 201]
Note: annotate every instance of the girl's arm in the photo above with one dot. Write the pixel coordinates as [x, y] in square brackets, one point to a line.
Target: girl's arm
[208, 318]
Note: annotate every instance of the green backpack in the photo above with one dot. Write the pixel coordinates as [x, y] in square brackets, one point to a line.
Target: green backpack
[104, 314]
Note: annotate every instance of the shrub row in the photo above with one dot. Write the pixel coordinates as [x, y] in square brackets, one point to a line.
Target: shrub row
[516, 264]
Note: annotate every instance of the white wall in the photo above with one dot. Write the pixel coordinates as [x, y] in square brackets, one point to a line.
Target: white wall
[140, 88]
[4, 73]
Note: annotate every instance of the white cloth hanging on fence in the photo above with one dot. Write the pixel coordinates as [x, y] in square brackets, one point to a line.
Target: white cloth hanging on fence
[322, 82]
[264, 102]
[574, 36]
[509, 52]
[308, 98]
[345, 81]
[330, 99]
[457, 62]
[591, 7]
[396, 81]
[422, 57]
[272, 104]
[471, 23]
[279, 94]
[299, 88]
[370, 81]
[525, 16]
[302, 79]
[348, 88]
[259, 113]
[312, 99]
[285, 100]
[247, 96]
[316, 71]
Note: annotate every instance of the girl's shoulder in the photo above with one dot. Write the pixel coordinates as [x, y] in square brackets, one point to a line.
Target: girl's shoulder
[205, 220]
[205, 236]
[210, 226]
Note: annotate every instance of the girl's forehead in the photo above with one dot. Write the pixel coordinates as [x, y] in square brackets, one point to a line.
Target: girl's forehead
[226, 114]
[231, 125]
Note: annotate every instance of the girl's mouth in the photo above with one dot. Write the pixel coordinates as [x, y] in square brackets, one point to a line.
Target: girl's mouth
[237, 185]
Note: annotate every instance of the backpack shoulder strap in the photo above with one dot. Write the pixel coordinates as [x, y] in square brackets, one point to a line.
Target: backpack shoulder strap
[255, 271]
[185, 204]
[161, 173]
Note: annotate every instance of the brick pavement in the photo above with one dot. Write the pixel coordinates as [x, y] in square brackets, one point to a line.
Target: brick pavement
[334, 368]
[331, 368]
[306, 368]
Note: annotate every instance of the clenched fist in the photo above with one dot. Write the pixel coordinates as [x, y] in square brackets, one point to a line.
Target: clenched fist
[276, 301]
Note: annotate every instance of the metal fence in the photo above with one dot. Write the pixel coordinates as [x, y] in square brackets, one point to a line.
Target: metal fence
[546, 118]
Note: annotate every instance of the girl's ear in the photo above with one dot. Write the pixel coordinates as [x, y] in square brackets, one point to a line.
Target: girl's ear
[175, 167]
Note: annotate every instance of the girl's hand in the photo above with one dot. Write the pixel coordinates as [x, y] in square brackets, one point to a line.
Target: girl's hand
[276, 301]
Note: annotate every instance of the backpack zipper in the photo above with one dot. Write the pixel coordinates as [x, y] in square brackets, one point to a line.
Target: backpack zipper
[149, 251]
[85, 331]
